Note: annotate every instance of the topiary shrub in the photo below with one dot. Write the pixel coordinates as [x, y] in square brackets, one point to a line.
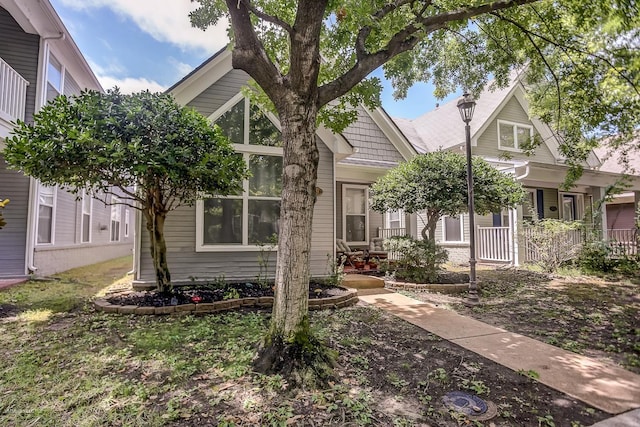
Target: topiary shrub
[417, 260]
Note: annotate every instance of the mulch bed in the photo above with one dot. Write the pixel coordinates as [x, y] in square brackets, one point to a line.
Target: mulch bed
[208, 293]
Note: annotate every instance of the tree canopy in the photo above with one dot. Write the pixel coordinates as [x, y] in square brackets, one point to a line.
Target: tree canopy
[436, 183]
[313, 59]
[144, 148]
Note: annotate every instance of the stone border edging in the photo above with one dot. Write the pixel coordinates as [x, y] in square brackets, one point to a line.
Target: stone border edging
[452, 288]
[350, 297]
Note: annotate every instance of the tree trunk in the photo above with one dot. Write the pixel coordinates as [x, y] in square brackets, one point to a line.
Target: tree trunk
[429, 230]
[289, 330]
[300, 171]
[155, 226]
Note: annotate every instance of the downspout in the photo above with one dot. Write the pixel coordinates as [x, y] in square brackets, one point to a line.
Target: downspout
[43, 58]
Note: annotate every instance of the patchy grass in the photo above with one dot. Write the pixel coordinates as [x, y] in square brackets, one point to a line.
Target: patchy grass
[594, 316]
[67, 291]
[83, 368]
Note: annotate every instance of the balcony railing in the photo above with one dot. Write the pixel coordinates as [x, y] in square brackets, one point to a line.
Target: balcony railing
[13, 93]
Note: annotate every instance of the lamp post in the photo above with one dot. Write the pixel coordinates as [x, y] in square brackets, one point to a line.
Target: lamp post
[466, 105]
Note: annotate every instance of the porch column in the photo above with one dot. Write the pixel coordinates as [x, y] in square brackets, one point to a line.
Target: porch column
[518, 250]
[514, 226]
[600, 216]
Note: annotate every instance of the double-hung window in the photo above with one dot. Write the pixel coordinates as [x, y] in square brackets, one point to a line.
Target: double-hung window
[513, 136]
[55, 78]
[116, 216]
[87, 205]
[46, 213]
[394, 219]
[251, 217]
[452, 229]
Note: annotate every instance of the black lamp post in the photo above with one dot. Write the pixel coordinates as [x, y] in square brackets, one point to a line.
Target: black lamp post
[466, 105]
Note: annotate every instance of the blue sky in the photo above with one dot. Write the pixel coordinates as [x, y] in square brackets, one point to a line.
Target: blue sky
[150, 44]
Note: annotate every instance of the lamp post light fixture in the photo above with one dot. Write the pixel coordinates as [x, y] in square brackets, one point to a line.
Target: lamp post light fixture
[466, 105]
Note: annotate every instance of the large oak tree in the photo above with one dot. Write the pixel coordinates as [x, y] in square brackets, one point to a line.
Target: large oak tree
[313, 60]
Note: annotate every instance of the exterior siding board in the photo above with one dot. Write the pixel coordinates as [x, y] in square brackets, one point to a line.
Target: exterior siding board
[214, 97]
[20, 50]
[15, 187]
[488, 141]
[70, 86]
[370, 140]
[185, 263]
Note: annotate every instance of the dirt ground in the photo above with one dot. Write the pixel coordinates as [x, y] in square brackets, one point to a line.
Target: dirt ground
[391, 373]
[596, 317]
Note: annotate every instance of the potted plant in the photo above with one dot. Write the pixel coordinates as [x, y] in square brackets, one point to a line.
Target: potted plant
[358, 263]
[373, 263]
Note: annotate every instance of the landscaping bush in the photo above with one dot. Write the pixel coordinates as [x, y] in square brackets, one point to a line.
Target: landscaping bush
[418, 260]
[552, 242]
[595, 257]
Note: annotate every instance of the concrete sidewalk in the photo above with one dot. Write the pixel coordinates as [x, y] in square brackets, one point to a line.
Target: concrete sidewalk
[606, 387]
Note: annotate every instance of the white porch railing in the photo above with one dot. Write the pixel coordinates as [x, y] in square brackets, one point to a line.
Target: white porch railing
[13, 93]
[390, 232]
[623, 241]
[494, 244]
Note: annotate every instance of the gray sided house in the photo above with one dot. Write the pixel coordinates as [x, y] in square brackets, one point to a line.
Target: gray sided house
[222, 236]
[500, 129]
[48, 229]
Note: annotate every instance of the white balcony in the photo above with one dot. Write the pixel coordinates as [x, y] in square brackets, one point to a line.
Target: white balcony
[13, 97]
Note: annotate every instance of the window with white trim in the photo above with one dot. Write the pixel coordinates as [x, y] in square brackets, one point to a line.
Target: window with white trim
[513, 136]
[126, 222]
[251, 217]
[87, 207]
[572, 206]
[46, 213]
[452, 229]
[394, 219]
[55, 78]
[355, 213]
[116, 217]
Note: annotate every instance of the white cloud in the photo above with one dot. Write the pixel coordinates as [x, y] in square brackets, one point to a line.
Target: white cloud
[130, 84]
[182, 69]
[164, 20]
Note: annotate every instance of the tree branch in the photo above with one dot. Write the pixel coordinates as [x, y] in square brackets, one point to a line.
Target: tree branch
[403, 41]
[568, 47]
[249, 53]
[266, 17]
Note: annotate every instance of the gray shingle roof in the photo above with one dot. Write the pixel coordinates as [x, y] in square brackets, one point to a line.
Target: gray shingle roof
[443, 127]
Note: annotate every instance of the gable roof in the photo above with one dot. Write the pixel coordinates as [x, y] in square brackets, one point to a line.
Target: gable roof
[443, 128]
[219, 64]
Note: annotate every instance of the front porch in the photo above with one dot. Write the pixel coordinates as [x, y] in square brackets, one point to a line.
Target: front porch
[13, 97]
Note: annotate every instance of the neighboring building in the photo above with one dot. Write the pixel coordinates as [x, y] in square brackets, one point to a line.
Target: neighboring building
[499, 130]
[48, 229]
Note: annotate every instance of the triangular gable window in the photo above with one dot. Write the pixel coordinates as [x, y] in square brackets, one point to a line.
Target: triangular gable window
[250, 218]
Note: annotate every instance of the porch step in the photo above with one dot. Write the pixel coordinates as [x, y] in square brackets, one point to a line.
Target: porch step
[361, 281]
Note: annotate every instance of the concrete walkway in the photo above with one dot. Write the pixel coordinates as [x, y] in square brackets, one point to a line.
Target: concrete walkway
[606, 387]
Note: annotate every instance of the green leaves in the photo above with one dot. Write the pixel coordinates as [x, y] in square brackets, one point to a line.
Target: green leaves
[110, 140]
[437, 183]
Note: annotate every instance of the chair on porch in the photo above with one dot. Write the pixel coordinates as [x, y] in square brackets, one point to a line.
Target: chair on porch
[376, 248]
[342, 249]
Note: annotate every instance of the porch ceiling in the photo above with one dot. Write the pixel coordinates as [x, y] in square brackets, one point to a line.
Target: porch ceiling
[552, 176]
